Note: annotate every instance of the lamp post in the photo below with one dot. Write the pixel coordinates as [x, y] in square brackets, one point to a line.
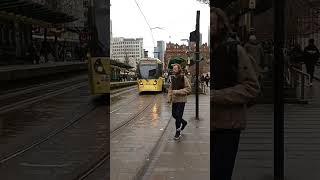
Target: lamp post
[279, 39]
[195, 37]
[189, 49]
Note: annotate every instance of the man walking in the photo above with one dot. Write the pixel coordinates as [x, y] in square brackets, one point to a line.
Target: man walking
[207, 79]
[311, 56]
[296, 58]
[233, 86]
[178, 91]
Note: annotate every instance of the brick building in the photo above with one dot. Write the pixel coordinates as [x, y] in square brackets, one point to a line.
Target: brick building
[204, 65]
[173, 51]
[183, 51]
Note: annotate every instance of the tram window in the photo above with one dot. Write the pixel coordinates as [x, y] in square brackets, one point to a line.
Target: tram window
[146, 71]
[152, 73]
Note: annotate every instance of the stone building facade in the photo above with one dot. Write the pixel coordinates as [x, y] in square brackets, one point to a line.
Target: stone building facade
[187, 53]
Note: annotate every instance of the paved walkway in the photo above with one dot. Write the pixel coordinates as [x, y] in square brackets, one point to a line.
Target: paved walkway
[189, 158]
[302, 141]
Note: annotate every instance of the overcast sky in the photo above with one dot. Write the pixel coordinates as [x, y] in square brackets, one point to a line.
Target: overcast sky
[178, 17]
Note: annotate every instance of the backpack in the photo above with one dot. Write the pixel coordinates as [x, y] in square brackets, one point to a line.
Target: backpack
[233, 54]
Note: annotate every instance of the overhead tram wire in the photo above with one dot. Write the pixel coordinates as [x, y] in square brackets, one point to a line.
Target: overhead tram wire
[146, 22]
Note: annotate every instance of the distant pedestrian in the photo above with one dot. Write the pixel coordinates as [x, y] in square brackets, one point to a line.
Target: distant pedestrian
[296, 56]
[296, 59]
[311, 56]
[32, 54]
[235, 85]
[44, 51]
[178, 91]
[255, 49]
[202, 83]
[202, 79]
[207, 79]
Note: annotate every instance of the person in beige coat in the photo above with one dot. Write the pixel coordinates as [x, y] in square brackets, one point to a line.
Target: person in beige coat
[178, 91]
[233, 86]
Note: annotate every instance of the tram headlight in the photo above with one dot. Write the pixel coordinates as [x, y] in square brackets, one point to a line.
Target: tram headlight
[155, 82]
[140, 82]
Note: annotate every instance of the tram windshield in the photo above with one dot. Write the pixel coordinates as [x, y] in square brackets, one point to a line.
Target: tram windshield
[148, 71]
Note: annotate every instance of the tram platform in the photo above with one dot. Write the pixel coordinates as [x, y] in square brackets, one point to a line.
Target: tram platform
[19, 72]
[188, 159]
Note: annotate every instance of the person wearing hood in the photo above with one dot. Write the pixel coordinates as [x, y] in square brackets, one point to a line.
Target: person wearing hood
[233, 86]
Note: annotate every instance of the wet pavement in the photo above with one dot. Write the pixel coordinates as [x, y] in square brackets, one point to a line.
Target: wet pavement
[138, 126]
[188, 158]
[57, 155]
[65, 155]
[23, 126]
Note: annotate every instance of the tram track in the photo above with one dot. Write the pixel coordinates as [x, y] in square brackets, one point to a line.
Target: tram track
[35, 99]
[105, 157]
[45, 138]
[94, 165]
[75, 163]
[17, 99]
[33, 88]
[133, 117]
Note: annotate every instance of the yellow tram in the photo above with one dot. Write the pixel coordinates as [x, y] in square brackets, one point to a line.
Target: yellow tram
[99, 75]
[150, 77]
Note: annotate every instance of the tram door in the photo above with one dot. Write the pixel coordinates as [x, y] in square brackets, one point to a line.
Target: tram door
[99, 75]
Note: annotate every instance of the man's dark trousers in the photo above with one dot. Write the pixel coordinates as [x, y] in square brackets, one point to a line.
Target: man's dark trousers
[223, 149]
[177, 112]
[310, 69]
